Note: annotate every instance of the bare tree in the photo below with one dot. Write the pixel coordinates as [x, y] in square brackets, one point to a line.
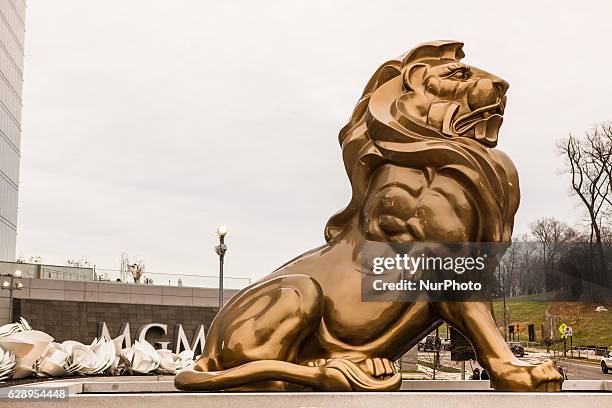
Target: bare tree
[124, 268]
[136, 269]
[509, 269]
[81, 262]
[590, 167]
[600, 153]
[32, 259]
[552, 234]
[531, 281]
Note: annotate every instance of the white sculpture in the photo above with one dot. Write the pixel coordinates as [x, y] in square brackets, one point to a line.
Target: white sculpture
[26, 344]
[7, 364]
[25, 352]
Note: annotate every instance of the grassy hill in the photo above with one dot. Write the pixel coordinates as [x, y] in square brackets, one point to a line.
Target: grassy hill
[590, 327]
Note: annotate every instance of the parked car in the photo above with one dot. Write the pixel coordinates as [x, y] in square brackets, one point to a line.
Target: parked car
[427, 344]
[606, 362]
[517, 349]
[431, 343]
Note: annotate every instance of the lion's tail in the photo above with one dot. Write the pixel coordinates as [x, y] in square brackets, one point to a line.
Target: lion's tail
[335, 375]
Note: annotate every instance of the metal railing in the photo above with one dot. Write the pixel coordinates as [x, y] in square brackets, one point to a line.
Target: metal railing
[44, 271]
[172, 279]
[71, 273]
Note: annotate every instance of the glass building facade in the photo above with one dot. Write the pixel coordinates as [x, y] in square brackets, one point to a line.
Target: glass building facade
[12, 32]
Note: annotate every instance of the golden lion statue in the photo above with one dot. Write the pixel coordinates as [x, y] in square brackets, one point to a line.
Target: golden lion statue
[419, 153]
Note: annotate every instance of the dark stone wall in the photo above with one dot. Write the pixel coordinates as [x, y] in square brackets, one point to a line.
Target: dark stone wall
[66, 320]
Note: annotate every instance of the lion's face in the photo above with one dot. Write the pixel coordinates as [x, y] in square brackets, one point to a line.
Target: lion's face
[456, 99]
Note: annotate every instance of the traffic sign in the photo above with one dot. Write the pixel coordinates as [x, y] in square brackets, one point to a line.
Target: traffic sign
[562, 329]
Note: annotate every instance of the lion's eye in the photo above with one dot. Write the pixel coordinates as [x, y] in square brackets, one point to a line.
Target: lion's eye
[460, 74]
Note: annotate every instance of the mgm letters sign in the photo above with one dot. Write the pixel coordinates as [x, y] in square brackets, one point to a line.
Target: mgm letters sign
[179, 343]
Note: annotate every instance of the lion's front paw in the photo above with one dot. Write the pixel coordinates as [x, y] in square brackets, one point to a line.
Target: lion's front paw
[378, 367]
[547, 378]
[541, 378]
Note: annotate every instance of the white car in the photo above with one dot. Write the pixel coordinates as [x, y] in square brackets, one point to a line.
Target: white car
[606, 362]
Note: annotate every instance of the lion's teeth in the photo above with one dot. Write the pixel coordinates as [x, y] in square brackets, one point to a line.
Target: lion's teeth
[480, 130]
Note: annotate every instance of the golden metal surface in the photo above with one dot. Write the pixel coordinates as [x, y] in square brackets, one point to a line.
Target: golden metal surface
[419, 153]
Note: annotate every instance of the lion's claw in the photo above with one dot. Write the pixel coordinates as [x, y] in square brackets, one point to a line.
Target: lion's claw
[378, 367]
[543, 377]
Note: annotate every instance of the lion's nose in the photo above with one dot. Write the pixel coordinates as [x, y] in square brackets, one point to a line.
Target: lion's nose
[483, 93]
[502, 86]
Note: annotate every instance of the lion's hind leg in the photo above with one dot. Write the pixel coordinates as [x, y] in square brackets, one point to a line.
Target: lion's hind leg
[257, 338]
[269, 321]
[335, 375]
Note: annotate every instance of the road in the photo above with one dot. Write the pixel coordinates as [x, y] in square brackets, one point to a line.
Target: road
[575, 370]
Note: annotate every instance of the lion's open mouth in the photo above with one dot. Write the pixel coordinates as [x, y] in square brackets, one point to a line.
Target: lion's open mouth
[466, 122]
[481, 124]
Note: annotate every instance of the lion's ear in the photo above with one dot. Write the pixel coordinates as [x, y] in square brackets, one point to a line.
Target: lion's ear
[414, 76]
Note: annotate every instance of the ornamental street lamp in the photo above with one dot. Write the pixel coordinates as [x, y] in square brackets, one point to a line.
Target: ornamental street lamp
[220, 250]
[11, 282]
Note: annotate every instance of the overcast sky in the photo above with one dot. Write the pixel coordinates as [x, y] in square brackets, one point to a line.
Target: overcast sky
[147, 123]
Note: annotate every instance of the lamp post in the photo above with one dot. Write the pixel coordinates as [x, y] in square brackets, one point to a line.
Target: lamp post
[11, 282]
[220, 250]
